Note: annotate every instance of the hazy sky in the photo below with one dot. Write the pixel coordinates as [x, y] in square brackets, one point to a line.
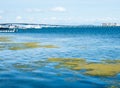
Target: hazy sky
[60, 11]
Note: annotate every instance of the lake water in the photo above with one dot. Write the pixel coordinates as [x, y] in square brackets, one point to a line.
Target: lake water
[93, 46]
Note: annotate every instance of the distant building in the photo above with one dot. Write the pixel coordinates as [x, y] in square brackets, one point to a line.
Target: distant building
[109, 24]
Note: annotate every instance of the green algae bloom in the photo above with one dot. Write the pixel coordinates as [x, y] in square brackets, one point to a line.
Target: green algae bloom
[116, 61]
[48, 46]
[31, 66]
[21, 46]
[15, 48]
[113, 87]
[31, 45]
[93, 69]
[102, 69]
[23, 67]
[66, 60]
[4, 39]
[40, 63]
[28, 45]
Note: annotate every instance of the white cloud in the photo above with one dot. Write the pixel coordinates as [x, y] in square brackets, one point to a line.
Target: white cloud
[58, 9]
[37, 10]
[18, 18]
[33, 10]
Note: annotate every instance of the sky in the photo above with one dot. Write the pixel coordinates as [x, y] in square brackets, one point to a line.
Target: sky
[74, 12]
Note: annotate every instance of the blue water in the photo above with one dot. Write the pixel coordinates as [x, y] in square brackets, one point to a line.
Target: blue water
[93, 44]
